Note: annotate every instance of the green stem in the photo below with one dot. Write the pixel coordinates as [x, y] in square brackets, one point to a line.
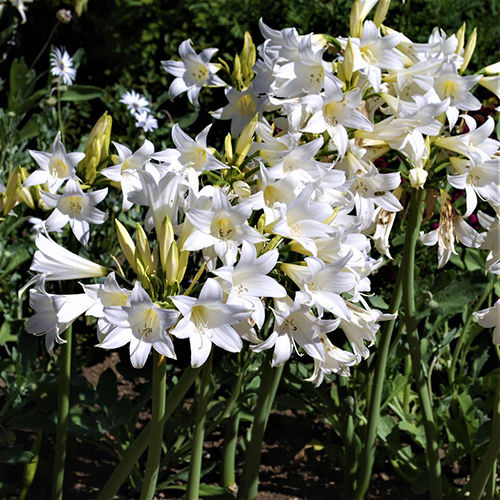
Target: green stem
[138, 447]
[156, 434]
[268, 387]
[229, 452]
[463, 334]
[408, 269]
[193, 486]
[62, 417]
[59, 113]
[487, 467]
[30, 469]
[368, 454]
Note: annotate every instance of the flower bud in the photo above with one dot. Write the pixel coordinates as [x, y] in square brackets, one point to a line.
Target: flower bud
[242, 189]
[492, 69]
[381, 12]
[348, 60]
[172, 264]
[183, 262]
[418, 177]
[96, 148]
[142, 249]
[126, 244]
[12, 190]
[469, 50]
[165, 240]
[461, 39]
[492, 83]
[228, 149]
[354, 20]
[64, 16]
[245, 140]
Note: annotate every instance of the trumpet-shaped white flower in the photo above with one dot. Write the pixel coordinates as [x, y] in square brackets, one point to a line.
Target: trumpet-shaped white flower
[61, 66]
[193, 72]
[208, 320]
[491, 240]
[304, 220]
[490, 318]
[481, 180]
[75, 207]
[294, 324]
[195, 153]
[54, 314]
[57, 263]
[223, 226]
[334, 112]
[126, 171]
[143, 325]
[248, 281]
[55, 167]
[322, 284]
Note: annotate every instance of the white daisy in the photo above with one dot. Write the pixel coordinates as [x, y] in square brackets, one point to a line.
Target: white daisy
[62, 66]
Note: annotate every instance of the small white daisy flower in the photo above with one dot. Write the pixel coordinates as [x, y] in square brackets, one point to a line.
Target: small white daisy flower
[145, 121]
[62, 66]
[135, 102]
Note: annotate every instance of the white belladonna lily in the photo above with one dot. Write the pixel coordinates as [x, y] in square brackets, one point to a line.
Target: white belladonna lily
[491, 240]
[143, 324]
[57, 263]
[334, 112]
[336, 361]
[55, 167]
[248, 281]
[384, 221]
[481, 180]
[224, 227]
[323, 284]
[490, 318]
[294, 324]
[240, 109]
[303, 220]
[451, 226]
[372, 53]
[208, 320]
[126, 172]
[54, 314]
[362, 326]
[77, 208]
[193, 72]
[475, 144]
[105, 294]
[195, 153]
[305, 74]
[449, 84]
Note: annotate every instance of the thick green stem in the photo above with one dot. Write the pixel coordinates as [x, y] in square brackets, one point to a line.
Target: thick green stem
[368, 454]
[408, 268]
[193, 487]
[62, 416]
[229, 452]
[268, 387]
[59, 113]
[156, 434]
[138, 447]
[487, 466]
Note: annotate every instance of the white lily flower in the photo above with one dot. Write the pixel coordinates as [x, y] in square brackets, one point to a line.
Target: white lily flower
[55, 167]
[323, 284]
[57, 263]
[491, 240]
[54, 314]
[142, 324]
[384, 221]
[334, 112]
[126, 172]
[193, 72]
[208, 320]
[304, 219]
[481, 180]
[248, 280]
[106, 294]
[490, 318]
[195, 153]
[224, 227]
[295, 324]
[451, 226]
[75, 207]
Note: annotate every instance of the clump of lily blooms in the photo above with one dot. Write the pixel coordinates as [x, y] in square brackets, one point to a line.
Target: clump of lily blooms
[268, 241]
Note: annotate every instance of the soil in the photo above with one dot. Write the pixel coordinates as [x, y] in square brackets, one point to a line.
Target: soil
[291, 468]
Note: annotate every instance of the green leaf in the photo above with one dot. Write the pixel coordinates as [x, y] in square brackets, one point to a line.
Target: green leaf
[82, 93]
[5, 334]
[16, 455]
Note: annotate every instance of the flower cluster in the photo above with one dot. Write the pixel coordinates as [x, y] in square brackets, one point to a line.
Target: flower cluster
[282, 218]
[138, 107]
